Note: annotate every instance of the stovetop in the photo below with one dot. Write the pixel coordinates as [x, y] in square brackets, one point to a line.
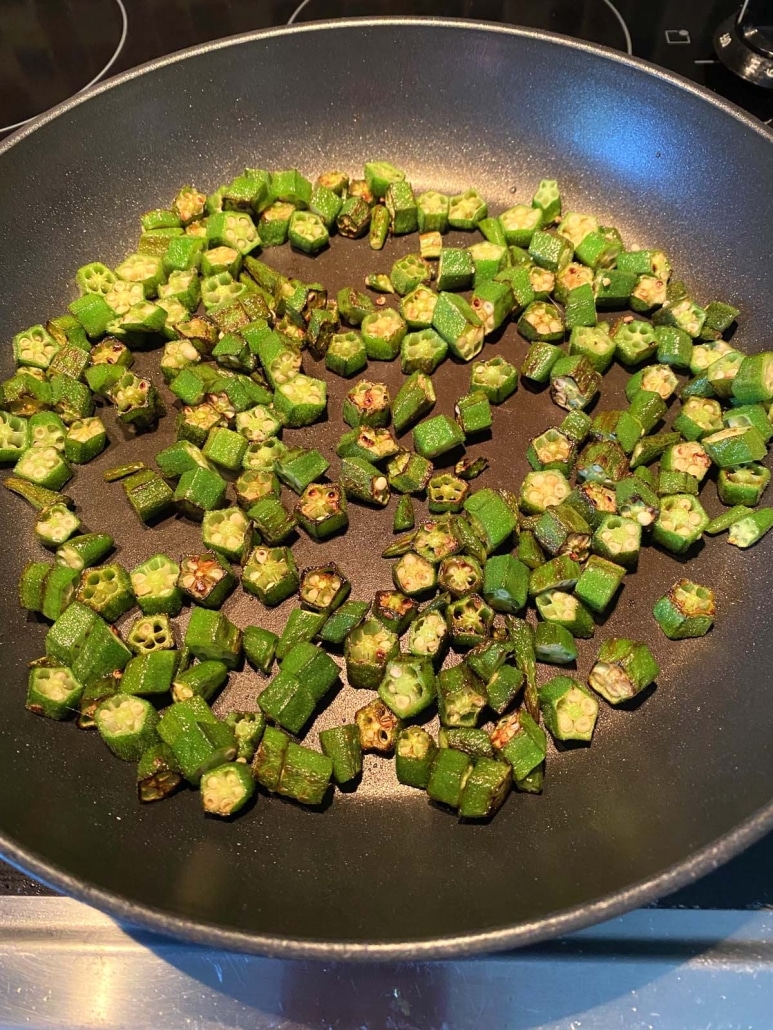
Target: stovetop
[49, 51]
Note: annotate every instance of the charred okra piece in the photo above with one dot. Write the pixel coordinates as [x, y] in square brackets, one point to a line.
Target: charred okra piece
[158, 773]
[207, 579]
[321, 510]
[378, 727]
[687, 610]
[485, 789]
[446, 493]
[573, 383]
[362, 481]
[460, 575]
[270, 574]
[367, 404]
[622, 670]
[469, 620]
[562, 530]
[521, 742]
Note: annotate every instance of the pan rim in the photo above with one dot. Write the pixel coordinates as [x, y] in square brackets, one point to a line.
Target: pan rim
[498, 939]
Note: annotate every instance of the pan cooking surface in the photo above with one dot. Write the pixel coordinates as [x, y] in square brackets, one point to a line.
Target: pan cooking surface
[381, 871]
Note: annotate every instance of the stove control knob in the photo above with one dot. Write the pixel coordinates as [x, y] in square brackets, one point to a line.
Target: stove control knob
[745, 42]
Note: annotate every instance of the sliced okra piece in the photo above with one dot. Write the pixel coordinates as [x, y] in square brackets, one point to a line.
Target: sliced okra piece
[751, 529]
[402, 208]
[418, 308]
[259, 647]
[468, 468]
[552, 450]
[690, 457]
[56, 524]
[569, 709]
[486, 658]
[436, 539]
[647, 409]
[466, 209]
[489, 258]
[449, 772]
[602, 461]
[301, 401]
[272, 520]
[150, 674]
[491, 518]
[404, 517]
[354, 306]
[651, 447]
[698, 417]
[599, 582]
[460, 575]
[457, 323]
[744, 485]
[228, 533]
[346, 354]
[362, 481]
[521, 741]
[299, 467]
[378, 727]
[25, 394]
[321, 510]
[367, 648]
[58, 591]
[554, 644]
[657, 379]
[681, 522]
[687, 610]
[566, 610]
[595, 344]
[151, 633]
[622, 670]
[127, 724]
[541, 490]
[154, 583]
[46, 430]
[563, 530]
[341, 744]
[342, 621]
[367, 404]
[35, 347]
[529, 551]
[323, 587]
[455, 269]
[635, 341]
[473, 413]
[85, 439]
[158, 773]
[432, 212]
[576, 425]
[414, 754]
[618, 540]
[248, 729]
[379, 229]
[305, 775]
[320, 330]
[408, 685]
[354, 218]
[14, 437]
[226, 789]
[415, 398]
[497, 378]
[427, 635]
[539, 361]
[683, 313]
[199, 741]
[670, 482]
[270, 574]
[731, 447]
[311, 665]
[374, 445]
[198, 491]
[750, 415]
[719, 318]
[505, 583]
[43, 466]
[573, 382]
[720, 375]
[460, 696]
[723, 522]
[446, 493]
[409, 473]
[395, 609]
[422, 351]
[287, 702]
[204, 680]
[469, 620]
[107, 590]
[436, 436]
[210, 635]
[225, 448]
[485, 789]
[270, 757]
[180, 457]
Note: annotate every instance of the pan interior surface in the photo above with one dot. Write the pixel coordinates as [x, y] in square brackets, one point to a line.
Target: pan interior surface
[381, 871]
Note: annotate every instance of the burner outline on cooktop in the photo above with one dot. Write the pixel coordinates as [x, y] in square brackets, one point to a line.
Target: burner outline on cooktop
[100, 75]
[621, 20]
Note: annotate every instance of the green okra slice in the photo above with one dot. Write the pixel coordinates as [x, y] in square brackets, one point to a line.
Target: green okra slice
[259, 647]
[418, 308]
[686, 610]
[750, 529]
[455, 320]
[414, 399]
[413, 575]
[227, 788]
[305, 775]
[151, 633]
[427, 635]
[503, 687]
[367, 404]
[618, 539]
[734, 446]
[449, 772]
[206, 579]
[379, 230]
[404, 517]
[469, 620]
[554, 644]
[497, 378]
[127, 724]
[373, 445]
[446, 493]
[466, 210]
[460, 575]
[468, 468]
[43, 466]
[473, 413]
[255, 484]
[569, 709]
[382, 334]
[228, 533]
[680, 523]
[212, 636]
[505, 583]
[58, 591]
[154, 583]
[342, 621]
[148, 494]
[198, 740]
[362, 481]
[301, 627]
[272, 520]
[491, 518]
[367, 649]
[341, 744]
[53, 691]
[312, 666]
[455, 269]
[521, 742]
[248, 729]
[378, 727]
[270, 757]
[414, 753]
[566, 610]
[158, 773]
[14, 437]
[750, 415]
[552, 449]
[346, 354]
[301, 401]
[485, 789]
[56, 524]
[323, 587]
[299, 467]
[726, 519]
[408, 685]
[622, 670]
[149, 674]
[321, 510]
[287, 702]
[563, 530]
[599, 582]
[107, 589]
[270, 574]
[486, 658]
[204, 680]
[744, 485]
[85, 439]
[460, 696]
[699, 416]
[559, 573]
[542, 490]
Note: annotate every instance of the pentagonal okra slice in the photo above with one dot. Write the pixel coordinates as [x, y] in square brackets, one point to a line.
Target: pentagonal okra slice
[323, 587]
[321, 510]
[378, 727]
[622, 670]
[687, 610]
[270, 574]
[367, 649]
[569, 709]
[408, 686]
[207, 579]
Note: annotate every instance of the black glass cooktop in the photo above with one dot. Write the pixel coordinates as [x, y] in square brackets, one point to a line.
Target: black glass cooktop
[48, 51]
[51, 50]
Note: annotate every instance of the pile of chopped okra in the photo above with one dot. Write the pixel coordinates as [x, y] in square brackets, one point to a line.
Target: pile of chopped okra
[232, 333]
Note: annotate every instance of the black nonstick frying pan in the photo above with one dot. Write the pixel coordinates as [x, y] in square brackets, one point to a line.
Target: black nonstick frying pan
[668, 790]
